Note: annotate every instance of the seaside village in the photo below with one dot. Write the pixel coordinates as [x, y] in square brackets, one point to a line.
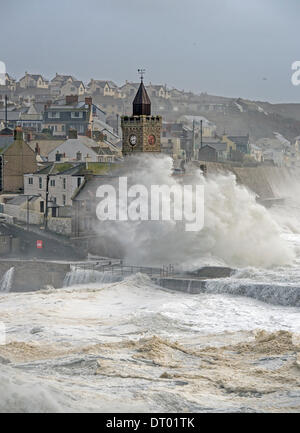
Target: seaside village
[58, 137]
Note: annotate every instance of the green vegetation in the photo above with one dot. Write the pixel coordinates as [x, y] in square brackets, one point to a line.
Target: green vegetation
[63, 166]
[99, 167]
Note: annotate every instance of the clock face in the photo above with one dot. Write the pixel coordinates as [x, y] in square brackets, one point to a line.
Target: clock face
[133, 140]
[151, 139]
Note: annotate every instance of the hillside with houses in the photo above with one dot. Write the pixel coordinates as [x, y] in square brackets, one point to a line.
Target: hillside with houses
[60, 136]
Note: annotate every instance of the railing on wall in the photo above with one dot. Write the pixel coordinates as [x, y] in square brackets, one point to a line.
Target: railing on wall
[119, 268]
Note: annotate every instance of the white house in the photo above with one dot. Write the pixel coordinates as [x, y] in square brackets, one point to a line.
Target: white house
[72, 88]
[33, 81]
[81, 149]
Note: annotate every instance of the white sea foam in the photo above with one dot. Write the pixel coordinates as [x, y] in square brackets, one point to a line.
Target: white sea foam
[237, 231]
[133, 346]
[7, 280]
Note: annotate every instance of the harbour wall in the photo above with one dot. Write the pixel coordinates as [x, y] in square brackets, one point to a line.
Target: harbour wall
[34, 275]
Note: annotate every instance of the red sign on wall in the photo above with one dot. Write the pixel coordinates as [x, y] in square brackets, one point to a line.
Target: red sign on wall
[39, 244]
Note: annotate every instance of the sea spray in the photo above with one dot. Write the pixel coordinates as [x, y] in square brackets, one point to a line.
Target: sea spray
[79, 276]
[237, 231]
[7, 280]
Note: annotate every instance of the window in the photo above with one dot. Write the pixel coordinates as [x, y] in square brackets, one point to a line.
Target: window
[76, 114]
[64, 183]
[78, 182]
[64, 200]
[40, 182]
[42, 206]
[53, 115]
[30, 180]
[52, 182]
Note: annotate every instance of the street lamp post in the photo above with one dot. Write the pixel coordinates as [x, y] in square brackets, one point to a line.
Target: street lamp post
[29, 198]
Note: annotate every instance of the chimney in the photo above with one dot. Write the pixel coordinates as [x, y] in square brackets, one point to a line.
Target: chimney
[71, 99]
[88, 174]
[89, 100]
[47, 105]
[18, 133]
[37, 149]
[88, 133]
[73, 134]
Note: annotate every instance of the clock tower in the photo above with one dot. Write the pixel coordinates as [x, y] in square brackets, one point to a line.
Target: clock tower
[141, 131]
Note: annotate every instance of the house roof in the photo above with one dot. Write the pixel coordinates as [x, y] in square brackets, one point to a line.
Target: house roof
[89, 142]
[242, 139]
[7, 132]
[103, 150]
[102, 83]
[156, 86]
[62, 78]
[130, 84]
[89, 188]
[58, 168]
[34, 76]
[75, 84]
[74, 169]
[11, 115]
[72, 144]
[17, 200]
[78, 105]
[112, 84]
[45, 146]
[5, 142]
[219, 147]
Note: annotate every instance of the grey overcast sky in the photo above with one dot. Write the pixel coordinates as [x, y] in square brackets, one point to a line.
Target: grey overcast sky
[238, 48]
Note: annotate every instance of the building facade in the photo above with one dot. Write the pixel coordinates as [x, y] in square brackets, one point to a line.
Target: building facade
[16, 159]
[60, 119]
[33, 81]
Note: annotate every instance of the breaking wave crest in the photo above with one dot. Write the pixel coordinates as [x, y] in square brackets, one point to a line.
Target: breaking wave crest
[237, 231]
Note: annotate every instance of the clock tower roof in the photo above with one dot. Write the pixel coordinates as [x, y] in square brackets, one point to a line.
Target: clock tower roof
[142, 103]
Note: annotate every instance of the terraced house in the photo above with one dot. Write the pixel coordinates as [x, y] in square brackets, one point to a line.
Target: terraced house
[72, 115]
[16, 159]
[33, 81]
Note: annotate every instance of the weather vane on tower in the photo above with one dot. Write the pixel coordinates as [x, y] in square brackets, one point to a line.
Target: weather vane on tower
[142, 72]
